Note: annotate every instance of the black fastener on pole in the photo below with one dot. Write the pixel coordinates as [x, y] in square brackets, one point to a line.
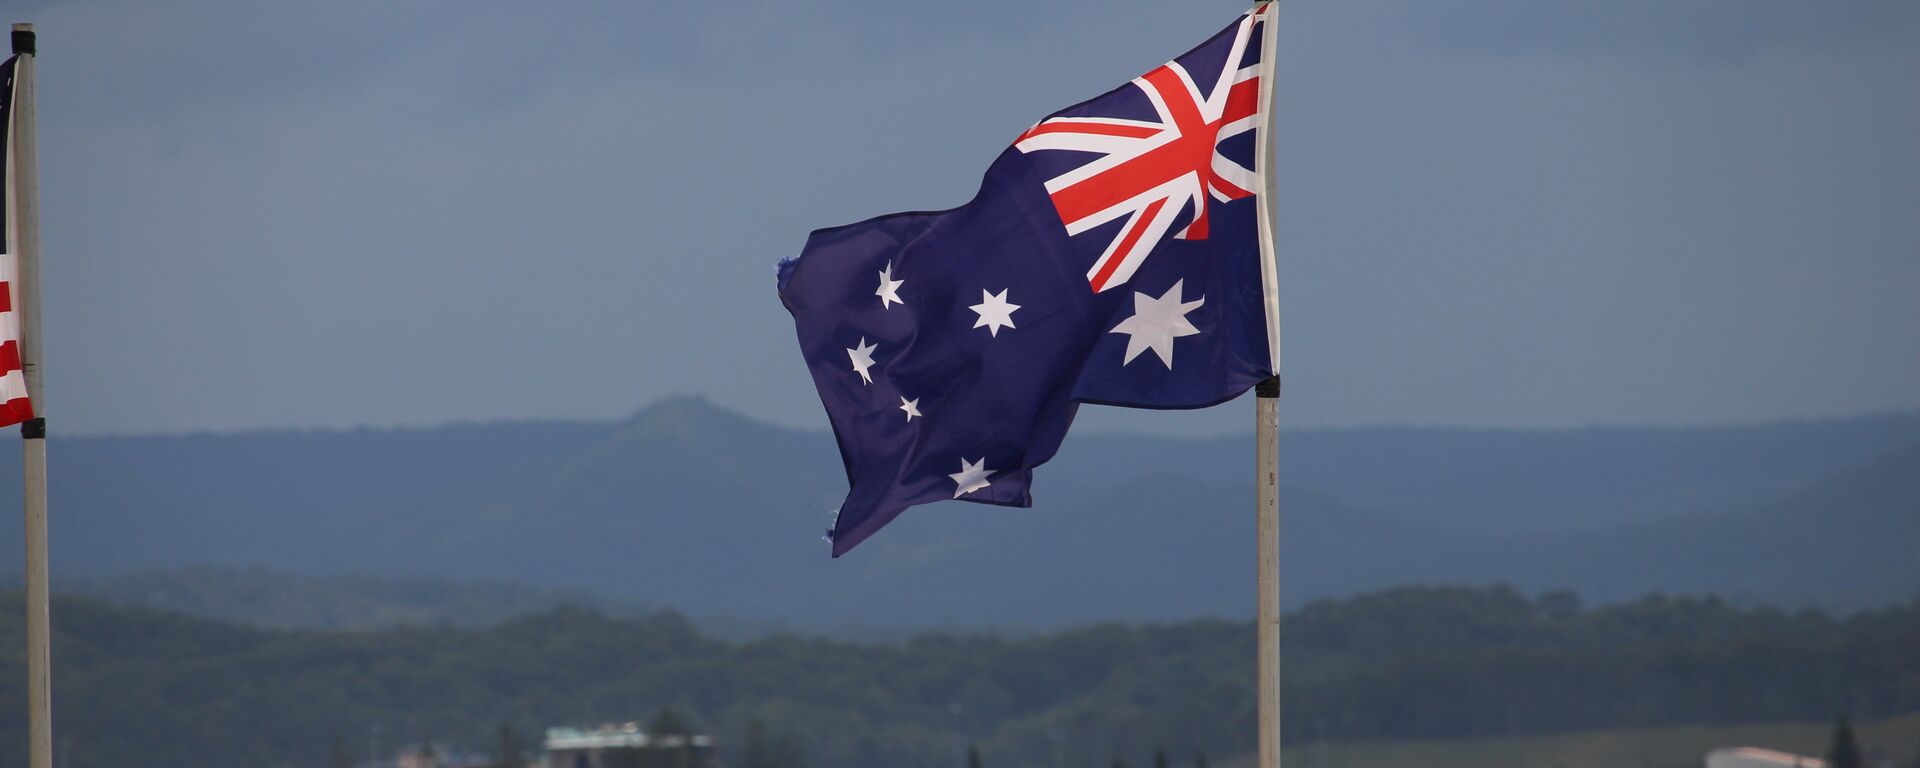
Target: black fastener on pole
[1268, 387]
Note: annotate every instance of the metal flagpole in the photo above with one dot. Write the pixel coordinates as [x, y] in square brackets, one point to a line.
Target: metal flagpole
[1267, 415]
[26, 228]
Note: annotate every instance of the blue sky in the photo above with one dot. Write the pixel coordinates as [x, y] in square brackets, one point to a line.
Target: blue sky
[1502, 214]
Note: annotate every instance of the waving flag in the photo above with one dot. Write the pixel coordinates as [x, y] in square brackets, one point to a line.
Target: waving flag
[1112, 255]
[14, 407]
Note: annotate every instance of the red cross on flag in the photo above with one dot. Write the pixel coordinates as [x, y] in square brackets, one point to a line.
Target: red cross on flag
[1149, 171]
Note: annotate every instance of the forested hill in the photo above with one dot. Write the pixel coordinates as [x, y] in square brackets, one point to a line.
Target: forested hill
[690, 506]
[139, 687]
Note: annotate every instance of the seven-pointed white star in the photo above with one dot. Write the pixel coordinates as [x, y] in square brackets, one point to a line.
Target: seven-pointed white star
[862, 355]
[1156, 323]
[912, 407]
[971, 477]
[889, 290]
[994, 311]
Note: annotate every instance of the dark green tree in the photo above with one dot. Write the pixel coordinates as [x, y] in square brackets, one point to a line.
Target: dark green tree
[973, 756]
[1118, 764]
[1159, 757]
[1916, 757]
[1844, 751]
[1200, 760]
[340, 759]
[756, 748]
[508, 754]
[669, 722]
[628, 757]
[762, 748]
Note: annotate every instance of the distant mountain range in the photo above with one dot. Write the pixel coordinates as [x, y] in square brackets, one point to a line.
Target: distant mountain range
[688, 505]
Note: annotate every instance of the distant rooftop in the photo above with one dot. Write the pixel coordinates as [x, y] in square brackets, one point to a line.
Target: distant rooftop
[618, 735]
[1756, 757]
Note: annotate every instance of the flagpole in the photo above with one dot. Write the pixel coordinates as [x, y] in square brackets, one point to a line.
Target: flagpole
[1268, 528]
[26, 218]
[1267, 415]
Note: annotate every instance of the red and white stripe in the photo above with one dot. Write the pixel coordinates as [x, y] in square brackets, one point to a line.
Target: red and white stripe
[14, 407]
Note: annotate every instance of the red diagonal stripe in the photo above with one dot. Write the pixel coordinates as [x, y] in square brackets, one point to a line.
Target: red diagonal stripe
[1119, 253]
[1097, 129]
[1179, 101]
[1243, 99]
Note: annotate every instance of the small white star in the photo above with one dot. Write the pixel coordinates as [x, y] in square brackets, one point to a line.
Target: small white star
[862, 355]
[889, 290]
[994, 311]
[912, 407]
[1156, 323]
[971, 477]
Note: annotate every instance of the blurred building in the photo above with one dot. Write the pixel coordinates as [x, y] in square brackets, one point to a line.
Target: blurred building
[625, 746]
[430, 755]
[1755, 757]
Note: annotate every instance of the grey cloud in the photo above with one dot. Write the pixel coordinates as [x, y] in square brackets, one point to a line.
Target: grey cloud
[1701, 30]
[340, 217]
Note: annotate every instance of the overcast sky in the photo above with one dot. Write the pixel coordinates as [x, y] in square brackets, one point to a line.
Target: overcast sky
[1491, 213]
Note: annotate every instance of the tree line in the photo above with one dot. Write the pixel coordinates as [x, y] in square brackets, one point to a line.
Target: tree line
[136, 686]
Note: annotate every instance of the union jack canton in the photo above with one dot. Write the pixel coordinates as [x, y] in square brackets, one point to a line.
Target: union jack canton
[1111, 256]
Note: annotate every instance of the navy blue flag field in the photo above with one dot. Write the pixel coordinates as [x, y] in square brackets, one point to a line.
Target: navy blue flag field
[1111, 256]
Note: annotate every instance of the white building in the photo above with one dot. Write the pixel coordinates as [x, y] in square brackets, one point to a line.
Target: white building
[593, 747]
[1755, 757]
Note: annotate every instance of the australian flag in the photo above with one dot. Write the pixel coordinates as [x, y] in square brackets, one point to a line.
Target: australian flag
[1111, 256]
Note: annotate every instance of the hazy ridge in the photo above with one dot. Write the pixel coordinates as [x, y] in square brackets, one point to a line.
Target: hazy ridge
[690, 506]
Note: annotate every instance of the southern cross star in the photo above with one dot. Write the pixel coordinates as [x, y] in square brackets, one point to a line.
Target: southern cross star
[1156, 323]
[994, 311]
[912, 407]
[971, 477]
[889, 290]
[862, 356]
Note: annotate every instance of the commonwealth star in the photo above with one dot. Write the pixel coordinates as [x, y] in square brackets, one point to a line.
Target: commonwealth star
[1156, 323]
[994, 311]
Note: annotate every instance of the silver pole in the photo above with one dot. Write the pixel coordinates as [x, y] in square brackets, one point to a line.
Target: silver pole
[1267, 396]
[1268, 399]
[26, 227]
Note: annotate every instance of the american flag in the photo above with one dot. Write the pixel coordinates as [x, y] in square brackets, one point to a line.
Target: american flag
[14, 407]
